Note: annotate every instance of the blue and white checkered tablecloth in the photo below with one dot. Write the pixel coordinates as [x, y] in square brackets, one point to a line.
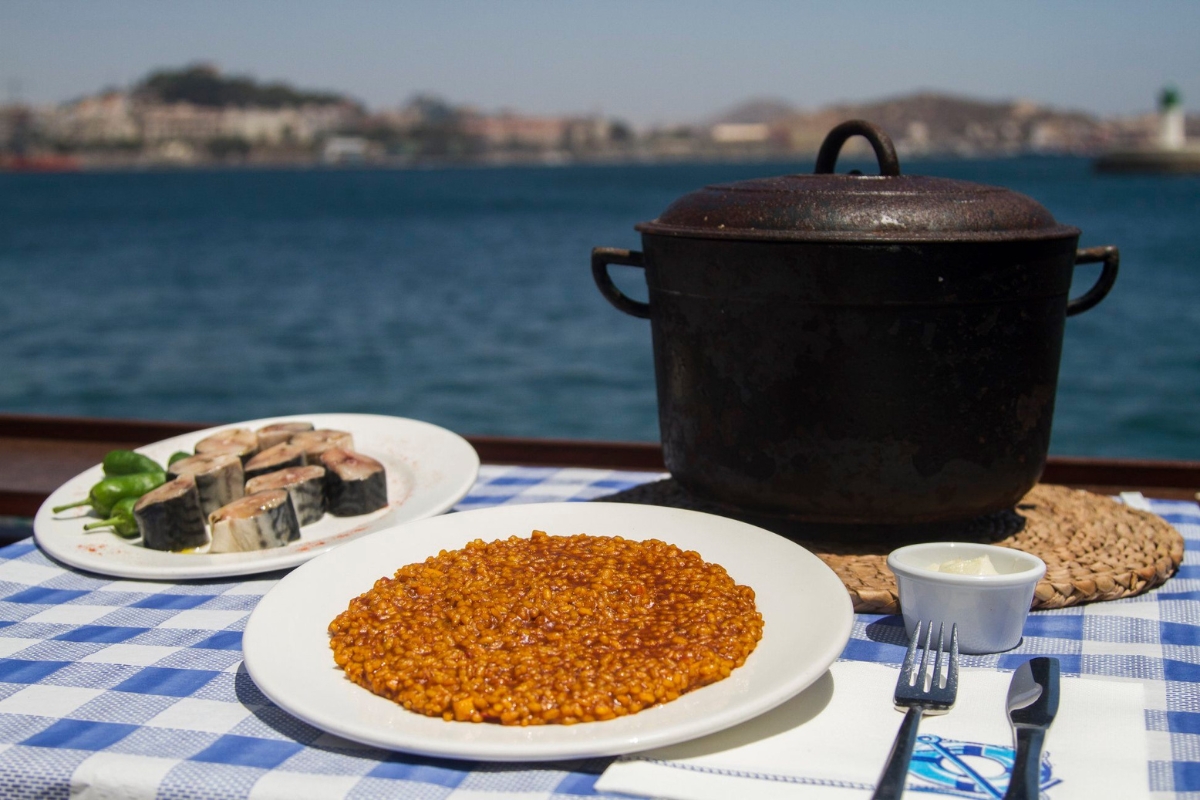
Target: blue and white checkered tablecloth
[117, 688]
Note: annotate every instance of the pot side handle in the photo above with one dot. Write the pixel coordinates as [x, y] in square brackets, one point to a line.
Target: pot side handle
[1111, 257]
[601, 258]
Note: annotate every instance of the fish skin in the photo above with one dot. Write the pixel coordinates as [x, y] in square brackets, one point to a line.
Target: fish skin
[173, 523]
[317, 442]
[350, 498]
[273, 526]
[217, 486]
[307, 494]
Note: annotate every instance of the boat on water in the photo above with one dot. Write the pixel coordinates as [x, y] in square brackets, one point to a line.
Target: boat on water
[52, 162]
[1171, 154]
[1179, 162]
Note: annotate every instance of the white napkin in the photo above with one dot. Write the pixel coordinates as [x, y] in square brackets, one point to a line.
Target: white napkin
[832, 740]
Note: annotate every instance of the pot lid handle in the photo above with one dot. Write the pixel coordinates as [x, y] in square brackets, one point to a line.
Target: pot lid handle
[885, 151]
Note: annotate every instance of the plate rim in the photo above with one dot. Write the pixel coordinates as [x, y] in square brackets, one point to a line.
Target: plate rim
[48, 541]
[257, 651]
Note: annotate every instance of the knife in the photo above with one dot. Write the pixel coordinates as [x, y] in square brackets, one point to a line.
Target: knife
[1032, 704]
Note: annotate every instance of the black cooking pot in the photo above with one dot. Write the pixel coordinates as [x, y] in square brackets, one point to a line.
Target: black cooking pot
[878, 349]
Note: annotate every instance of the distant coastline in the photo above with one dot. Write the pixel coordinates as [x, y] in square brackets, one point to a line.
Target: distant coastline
[198, 117]
[791, 158]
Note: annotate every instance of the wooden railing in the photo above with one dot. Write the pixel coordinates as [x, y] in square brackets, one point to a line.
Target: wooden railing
[37, 454]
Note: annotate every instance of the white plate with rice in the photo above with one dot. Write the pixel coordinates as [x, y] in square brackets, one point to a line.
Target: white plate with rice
[806, 612]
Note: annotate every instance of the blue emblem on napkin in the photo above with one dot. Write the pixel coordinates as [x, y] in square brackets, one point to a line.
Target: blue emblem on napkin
[966, 769]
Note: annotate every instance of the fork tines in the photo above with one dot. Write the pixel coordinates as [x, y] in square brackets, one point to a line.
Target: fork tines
[927, 684]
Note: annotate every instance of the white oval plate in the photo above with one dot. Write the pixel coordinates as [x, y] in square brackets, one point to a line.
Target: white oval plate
[429, 469]
[806, 611]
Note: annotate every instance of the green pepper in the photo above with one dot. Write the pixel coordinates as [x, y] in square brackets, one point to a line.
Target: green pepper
[105, 494]
[121, 519]
[127, 462]
[178, 455]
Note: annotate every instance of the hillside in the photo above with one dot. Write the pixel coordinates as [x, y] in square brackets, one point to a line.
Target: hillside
[204, 85]
[933, 122]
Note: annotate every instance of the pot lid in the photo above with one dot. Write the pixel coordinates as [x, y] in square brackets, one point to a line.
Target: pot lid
[826, 207]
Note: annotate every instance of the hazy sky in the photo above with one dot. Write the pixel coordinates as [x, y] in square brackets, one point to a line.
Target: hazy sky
[648, 62]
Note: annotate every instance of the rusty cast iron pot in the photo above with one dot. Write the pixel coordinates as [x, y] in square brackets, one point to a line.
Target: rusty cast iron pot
[868, 349]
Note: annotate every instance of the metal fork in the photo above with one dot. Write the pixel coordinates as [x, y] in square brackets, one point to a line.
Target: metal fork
[921, 692]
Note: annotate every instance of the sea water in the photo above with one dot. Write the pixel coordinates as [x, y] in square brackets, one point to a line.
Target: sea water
[464, 296]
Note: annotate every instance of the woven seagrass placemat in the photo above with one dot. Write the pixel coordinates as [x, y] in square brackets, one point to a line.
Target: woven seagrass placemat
[1094, 547]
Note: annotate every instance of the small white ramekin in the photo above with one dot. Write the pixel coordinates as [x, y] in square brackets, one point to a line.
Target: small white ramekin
[990, 609]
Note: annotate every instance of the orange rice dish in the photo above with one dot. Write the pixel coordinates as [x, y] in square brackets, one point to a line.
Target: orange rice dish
[547, 629]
